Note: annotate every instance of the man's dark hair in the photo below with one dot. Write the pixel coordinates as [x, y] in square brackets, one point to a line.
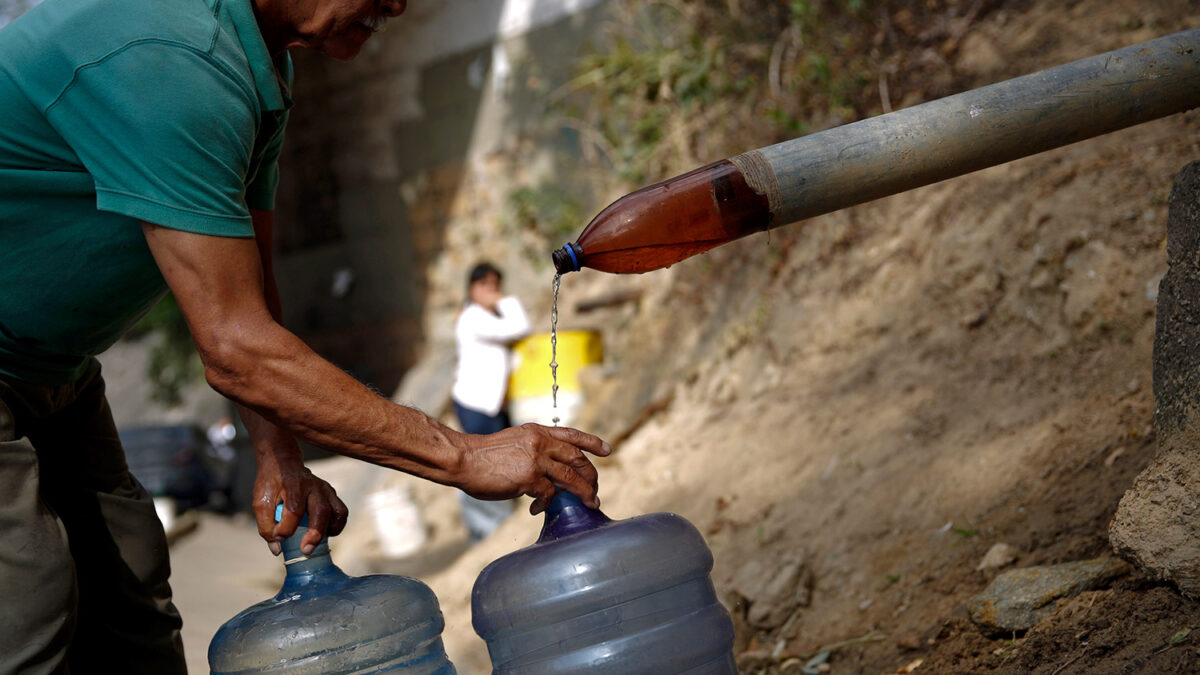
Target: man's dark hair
[482, 271]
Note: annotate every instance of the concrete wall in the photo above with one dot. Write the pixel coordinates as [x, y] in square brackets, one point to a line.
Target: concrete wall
[398, 166]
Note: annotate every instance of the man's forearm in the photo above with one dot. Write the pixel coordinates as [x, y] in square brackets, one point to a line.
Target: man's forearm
[275, 375]
[266, 437]
[284, 391]
[249, 357]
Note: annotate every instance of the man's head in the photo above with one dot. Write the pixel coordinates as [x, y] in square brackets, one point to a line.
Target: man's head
[483, 285]
[336, 28]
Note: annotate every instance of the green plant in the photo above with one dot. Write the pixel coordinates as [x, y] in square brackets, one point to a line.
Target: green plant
[673, 84]
[547, 209]
[1009, 650]
[965, 531]
[654, 71]
[804, 14]
[786, 121]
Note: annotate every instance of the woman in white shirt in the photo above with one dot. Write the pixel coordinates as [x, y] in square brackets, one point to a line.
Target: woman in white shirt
[486, 329]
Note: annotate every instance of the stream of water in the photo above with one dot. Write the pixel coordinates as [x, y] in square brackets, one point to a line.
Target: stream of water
[554, 347]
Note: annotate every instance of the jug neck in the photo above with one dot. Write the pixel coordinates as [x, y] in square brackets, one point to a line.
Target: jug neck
[302, 569]
[567, 515]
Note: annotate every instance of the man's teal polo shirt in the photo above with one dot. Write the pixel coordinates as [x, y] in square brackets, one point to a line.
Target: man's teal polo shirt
[113, 112]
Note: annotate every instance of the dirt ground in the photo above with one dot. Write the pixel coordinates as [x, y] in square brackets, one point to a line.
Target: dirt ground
[880, 395]
[884, 393]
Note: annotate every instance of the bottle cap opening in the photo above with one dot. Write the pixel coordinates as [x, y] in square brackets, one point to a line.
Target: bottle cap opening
[566, 259]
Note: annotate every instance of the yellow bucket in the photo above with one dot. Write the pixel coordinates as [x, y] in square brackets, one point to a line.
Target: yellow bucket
[529, 385]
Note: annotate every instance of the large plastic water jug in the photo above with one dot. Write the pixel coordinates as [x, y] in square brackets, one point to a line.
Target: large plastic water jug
[596, 596]
[324, 621]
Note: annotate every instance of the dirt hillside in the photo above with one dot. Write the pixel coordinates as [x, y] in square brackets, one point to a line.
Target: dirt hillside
[866, 403]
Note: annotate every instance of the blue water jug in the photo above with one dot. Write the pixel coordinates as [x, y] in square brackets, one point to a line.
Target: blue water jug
[596, 596]
[324, 621]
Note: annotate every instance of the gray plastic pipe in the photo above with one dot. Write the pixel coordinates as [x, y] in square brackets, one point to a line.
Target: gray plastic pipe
[976, 129]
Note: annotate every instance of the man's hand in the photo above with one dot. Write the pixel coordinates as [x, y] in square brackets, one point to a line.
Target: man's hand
[284, 478]
[531, 460]
[486, 295]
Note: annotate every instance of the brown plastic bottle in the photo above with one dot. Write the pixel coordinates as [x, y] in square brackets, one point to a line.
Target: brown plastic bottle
[795, 180]
[664, 223]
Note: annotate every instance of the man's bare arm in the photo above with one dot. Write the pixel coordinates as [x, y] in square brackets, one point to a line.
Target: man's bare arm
[282, 475]
[250, 358]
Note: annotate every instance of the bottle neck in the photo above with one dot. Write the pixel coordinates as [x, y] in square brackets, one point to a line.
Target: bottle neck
[569, 258]
[302, 569]
[566, 515]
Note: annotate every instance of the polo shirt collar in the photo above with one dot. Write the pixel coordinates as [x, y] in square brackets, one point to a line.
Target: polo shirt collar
[271, 76]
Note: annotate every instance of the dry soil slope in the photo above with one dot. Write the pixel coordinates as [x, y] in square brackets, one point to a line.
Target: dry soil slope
[884, 393]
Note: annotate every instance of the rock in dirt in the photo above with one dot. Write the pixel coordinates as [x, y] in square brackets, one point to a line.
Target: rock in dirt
[999, 555]
[773, 594]
[753, 661]
[1016, 600]
[1157, 525]
[1087, 300]
[791, 667]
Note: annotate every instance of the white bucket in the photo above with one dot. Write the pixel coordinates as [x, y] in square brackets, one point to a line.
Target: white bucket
[398, 524]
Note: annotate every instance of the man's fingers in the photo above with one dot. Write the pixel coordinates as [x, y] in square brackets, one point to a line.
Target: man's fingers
[266, 496]
[541, 497]
[290, 519]
[264, 516]
[570, 480]
[294, 498]
[337, 520]
[573, 458]
[318, 522]
[532, 460]
[540, 504]
[579, 439]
